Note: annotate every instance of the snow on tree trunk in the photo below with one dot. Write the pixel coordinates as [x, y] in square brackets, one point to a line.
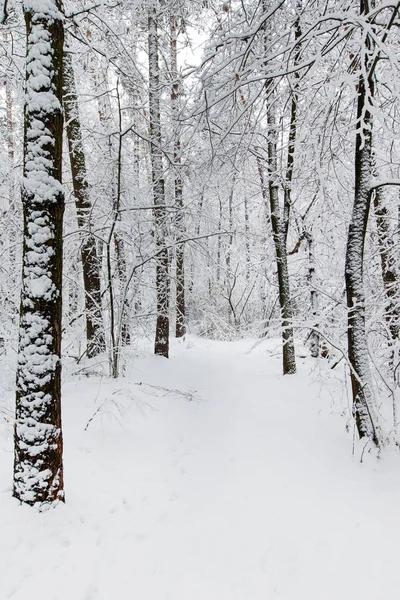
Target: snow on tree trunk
[390, 278]
[314, 335]
[361, 380]
[289, 359]
[11, 183]
[161, 344]
[95, 338]
[180, 327]
[38, 466]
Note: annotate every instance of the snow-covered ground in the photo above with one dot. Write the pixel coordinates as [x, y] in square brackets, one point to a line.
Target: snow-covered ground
[215, 479]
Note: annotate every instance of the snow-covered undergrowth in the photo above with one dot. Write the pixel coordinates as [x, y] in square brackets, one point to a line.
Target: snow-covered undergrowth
[205, 477]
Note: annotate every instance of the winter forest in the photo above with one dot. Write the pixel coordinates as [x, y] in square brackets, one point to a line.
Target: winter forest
[199, 299]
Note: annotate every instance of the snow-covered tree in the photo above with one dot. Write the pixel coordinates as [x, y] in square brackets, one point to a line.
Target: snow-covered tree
[38, 466]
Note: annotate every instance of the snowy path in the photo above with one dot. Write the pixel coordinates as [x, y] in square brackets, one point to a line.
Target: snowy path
[247, 492]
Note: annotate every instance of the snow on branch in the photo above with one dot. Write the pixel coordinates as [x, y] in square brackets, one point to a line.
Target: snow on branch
[376, 183]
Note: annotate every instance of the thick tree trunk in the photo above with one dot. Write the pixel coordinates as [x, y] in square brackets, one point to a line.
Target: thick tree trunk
[161, 344]
[90, 263]
[38, 466]
[180, 325]
[361, 380]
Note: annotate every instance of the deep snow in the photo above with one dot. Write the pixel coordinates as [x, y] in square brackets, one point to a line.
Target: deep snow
[238, 484]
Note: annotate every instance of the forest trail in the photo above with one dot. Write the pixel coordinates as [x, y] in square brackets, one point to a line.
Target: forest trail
[208, 476]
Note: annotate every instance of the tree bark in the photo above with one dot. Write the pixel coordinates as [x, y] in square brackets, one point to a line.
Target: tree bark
[279, 236]
[161, 344]
[11, 183]
[180, 325]
[390, 276]
[38, 465]
[279, 221]
[287, 201]
[95, 336]
[360, 374]
[314, 335]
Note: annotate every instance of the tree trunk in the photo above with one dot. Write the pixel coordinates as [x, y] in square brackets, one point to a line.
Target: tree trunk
[120, 256]
[247, 237]
[280, 222]
[180, 326]
[361, 380]
[314, 335]
[90, 262]
[390, 278]
[287, 201]
[279, 236]
[161, 344]
[390, 275]
[38, 466]
[11, 182]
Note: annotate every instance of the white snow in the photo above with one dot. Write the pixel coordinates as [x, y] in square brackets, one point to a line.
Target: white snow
[215, 479]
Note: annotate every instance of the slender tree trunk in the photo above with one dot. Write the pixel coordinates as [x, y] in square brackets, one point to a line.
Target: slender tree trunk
[279, 236]
[247, 237]
[12, 234]
[161, 344]
[314, 335]
[390, 276]
[180, 326]
[38, 466]
[266, 229]
[197, 233]
[119, 244]
[11, 182]
[287, 200]
[280, 220]
[361, 380]
[95, 337]
[132, 88]
[231, 277]
[120, 256]
[228, 256]
[219, 243]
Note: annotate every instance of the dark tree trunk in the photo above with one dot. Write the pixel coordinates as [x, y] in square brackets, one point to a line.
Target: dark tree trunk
[180, 325]
[280, 219]
[287, 201]
[38, 465]
[161, 344]
[361, 380]
[279, 236]
[90, 262]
